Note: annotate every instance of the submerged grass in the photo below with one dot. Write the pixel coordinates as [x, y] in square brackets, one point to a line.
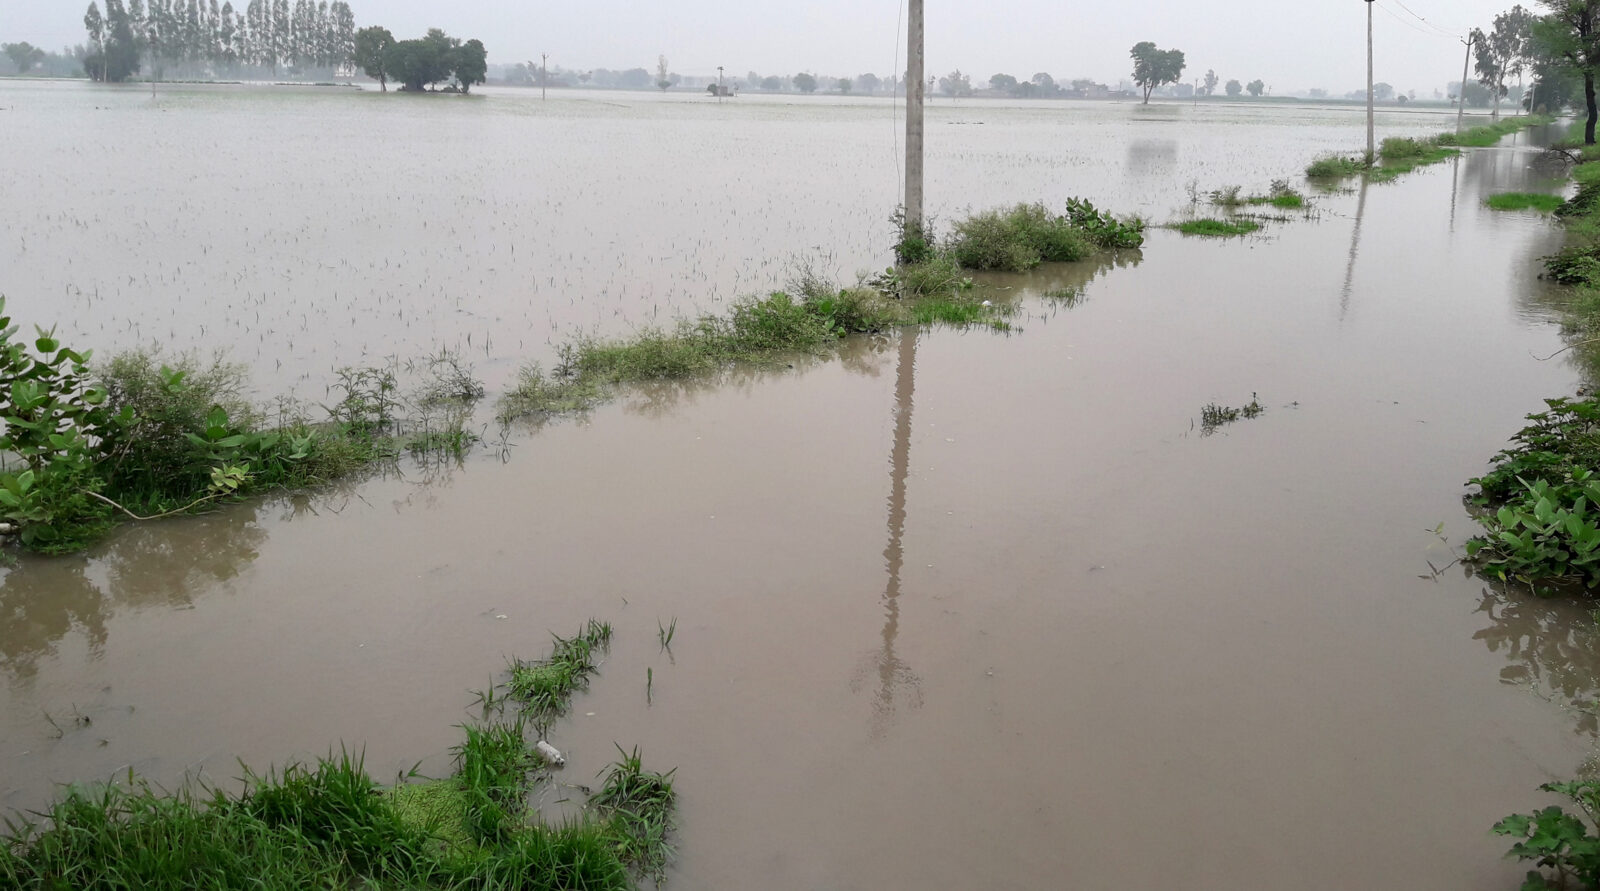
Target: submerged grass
[1538, 201]
[1213, 415]
[1215, 228]
[545, 686]
[329, 825]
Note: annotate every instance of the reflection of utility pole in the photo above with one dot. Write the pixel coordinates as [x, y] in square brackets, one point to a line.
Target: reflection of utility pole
[1372, 149]
[1355, 249]
[1455, 185]
[914, 99]
[544, 76]
[892, 672]
[1461, 94]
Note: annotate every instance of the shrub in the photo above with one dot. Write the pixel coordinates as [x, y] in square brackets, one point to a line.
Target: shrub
[1556, 840]
[1017, 240]
[1104, 230]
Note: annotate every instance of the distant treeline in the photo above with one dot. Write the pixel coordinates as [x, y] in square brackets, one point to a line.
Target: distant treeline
[418, 65]
[198, 38]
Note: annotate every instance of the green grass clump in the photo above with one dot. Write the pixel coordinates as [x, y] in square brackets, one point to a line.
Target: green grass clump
[544, 687]
[637, 806]
[1489, 134]
[1017, 240]
[1215, 228]
[1525, 201]
[1336, 167]
[1213, 415]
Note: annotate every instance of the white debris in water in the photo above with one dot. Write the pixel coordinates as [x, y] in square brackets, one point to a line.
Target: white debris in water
[549, 753]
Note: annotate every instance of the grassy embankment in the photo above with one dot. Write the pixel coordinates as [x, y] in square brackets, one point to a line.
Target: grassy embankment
[88, 445]
[1401, 154]
[927, 287]
[331, 826]
[1540, 503]
[1243, 214]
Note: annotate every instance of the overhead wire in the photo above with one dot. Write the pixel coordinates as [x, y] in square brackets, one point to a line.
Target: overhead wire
[1453, 32]
[1433, 33]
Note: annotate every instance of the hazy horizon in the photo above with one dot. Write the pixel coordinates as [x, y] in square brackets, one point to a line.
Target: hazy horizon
[1318, 45]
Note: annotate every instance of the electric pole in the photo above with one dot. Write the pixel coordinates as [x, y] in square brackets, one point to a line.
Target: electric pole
[719, 84]
[1461, 97]
[914, 99]
[1372, 149]
[544, 75]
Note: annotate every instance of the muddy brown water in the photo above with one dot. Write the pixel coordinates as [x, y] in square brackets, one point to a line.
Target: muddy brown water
[956, 610]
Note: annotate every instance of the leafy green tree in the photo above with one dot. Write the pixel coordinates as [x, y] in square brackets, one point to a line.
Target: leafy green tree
[1003, 82]
[1045, 83]
[868, 83]
[663, 79]
[1153, 67]
[805, 83]
[1211, 82]
[471, 64]
[1570, 33]
[95, 24]
[419, 64]
[1255, 88]
[372, 51]
[1382, 92]
[843, 85]
[24, 55]
[772, 83]
[1502, 51]
[1234, 88]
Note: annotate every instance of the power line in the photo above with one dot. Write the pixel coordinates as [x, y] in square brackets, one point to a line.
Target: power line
[1436, 33]
[1449, 32]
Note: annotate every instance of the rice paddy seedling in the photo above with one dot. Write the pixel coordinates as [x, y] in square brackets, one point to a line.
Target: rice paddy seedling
[448, 378]
[1543, 203]
[666, 632]
[1214, 228]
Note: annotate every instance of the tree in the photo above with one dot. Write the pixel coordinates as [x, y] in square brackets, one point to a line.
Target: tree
[1234, 88]
[1153, 67]
[843, 85]
[772, 83]
[419, 64]
[1045, 83]
[372, 49]
[117, 57]
[1255, 88]
[955, 84]
[96, 26]
[868, 83]
[471, 64]
[1502, 51]
[1382, 92]
[1571, 33]
[24, 55]
[805, 83]
[1211, 82]
[663, 80]
[1003, 82]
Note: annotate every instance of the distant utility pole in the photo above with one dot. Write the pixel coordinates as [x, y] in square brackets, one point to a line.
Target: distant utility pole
[719, 84]
[914, 99]
[1372, 149]
[1461, 92]
[544, 75]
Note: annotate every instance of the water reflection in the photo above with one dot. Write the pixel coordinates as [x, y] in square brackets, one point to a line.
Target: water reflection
[1149, 157]
[167, 564]
[895, 678]
[1550, 645]
[1355, 250]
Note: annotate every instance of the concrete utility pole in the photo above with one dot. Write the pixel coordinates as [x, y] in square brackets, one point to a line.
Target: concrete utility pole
[914, 99]
[544, 76]
[719, 84]
[1461, 93]
[1372, 148]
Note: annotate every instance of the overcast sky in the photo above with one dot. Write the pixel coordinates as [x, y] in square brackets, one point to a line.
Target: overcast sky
[1291, 44]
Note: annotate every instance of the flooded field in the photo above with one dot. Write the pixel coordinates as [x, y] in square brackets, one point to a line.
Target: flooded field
[959, 610]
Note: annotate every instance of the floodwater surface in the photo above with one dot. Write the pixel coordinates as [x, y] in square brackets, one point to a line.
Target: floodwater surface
[958, 609]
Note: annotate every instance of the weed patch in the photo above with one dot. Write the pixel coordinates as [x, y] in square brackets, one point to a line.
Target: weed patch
[1540, 202]
[1213, 416]
[1215, 228]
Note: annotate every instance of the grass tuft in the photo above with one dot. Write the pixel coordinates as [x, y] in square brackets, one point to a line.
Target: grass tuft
[1215, 228]
[1540, 202]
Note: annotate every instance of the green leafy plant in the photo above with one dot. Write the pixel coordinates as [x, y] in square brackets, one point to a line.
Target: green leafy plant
[1557, 841]
[1104, 230]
